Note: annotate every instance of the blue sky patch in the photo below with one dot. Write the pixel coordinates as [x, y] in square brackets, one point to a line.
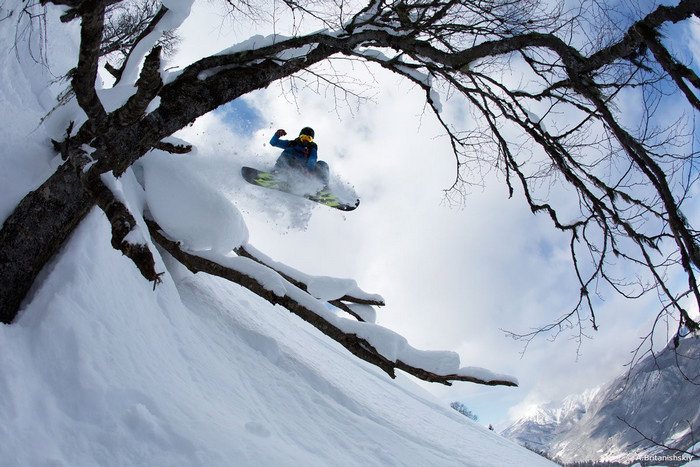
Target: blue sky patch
[243, 118]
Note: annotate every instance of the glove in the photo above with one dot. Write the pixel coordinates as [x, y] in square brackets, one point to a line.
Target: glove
[280, 133]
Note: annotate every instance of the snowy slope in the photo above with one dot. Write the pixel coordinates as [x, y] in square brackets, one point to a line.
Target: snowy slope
[100, 369]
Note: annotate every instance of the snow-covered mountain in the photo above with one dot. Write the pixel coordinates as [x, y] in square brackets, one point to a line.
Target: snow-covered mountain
[545, 423]
[659, 397]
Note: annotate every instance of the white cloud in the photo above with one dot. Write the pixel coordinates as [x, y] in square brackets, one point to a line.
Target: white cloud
[694, 38]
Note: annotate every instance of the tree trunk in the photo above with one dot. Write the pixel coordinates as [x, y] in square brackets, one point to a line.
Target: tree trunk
[35, 231]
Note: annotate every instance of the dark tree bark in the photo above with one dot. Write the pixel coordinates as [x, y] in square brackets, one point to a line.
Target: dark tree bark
[35, 232]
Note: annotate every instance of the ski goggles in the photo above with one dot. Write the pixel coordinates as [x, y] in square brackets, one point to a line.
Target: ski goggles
[305, 138]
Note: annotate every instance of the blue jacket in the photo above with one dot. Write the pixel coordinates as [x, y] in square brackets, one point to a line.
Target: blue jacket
[294, 150]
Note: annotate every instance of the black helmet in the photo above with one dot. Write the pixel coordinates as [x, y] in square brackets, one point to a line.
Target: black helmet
[307, 131]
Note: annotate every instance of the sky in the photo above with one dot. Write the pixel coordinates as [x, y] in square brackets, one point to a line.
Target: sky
[454, 277]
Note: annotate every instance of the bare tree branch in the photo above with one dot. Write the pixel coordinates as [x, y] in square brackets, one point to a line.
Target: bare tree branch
[659, 443]
[86, 73]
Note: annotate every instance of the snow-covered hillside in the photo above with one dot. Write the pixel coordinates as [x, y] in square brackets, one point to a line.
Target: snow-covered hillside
[100, 369]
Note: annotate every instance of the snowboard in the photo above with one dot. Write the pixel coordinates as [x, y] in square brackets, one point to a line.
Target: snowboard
[276, 182]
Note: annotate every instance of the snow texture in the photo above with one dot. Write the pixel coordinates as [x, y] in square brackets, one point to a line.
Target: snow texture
[188, 208]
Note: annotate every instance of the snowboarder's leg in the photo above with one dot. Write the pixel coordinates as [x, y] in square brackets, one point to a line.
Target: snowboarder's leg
[323, 172]
[284, 162]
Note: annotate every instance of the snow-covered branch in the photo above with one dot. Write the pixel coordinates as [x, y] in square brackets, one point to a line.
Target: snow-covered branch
[148, 85]
[127, 235]
[156, 18]
[370, 342]
[85, 73]
[339, 293]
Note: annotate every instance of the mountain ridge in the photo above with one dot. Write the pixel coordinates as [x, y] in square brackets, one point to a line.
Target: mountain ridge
[656, 400]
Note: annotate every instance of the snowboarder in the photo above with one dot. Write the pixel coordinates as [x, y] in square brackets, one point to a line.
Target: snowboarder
[300, 154]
